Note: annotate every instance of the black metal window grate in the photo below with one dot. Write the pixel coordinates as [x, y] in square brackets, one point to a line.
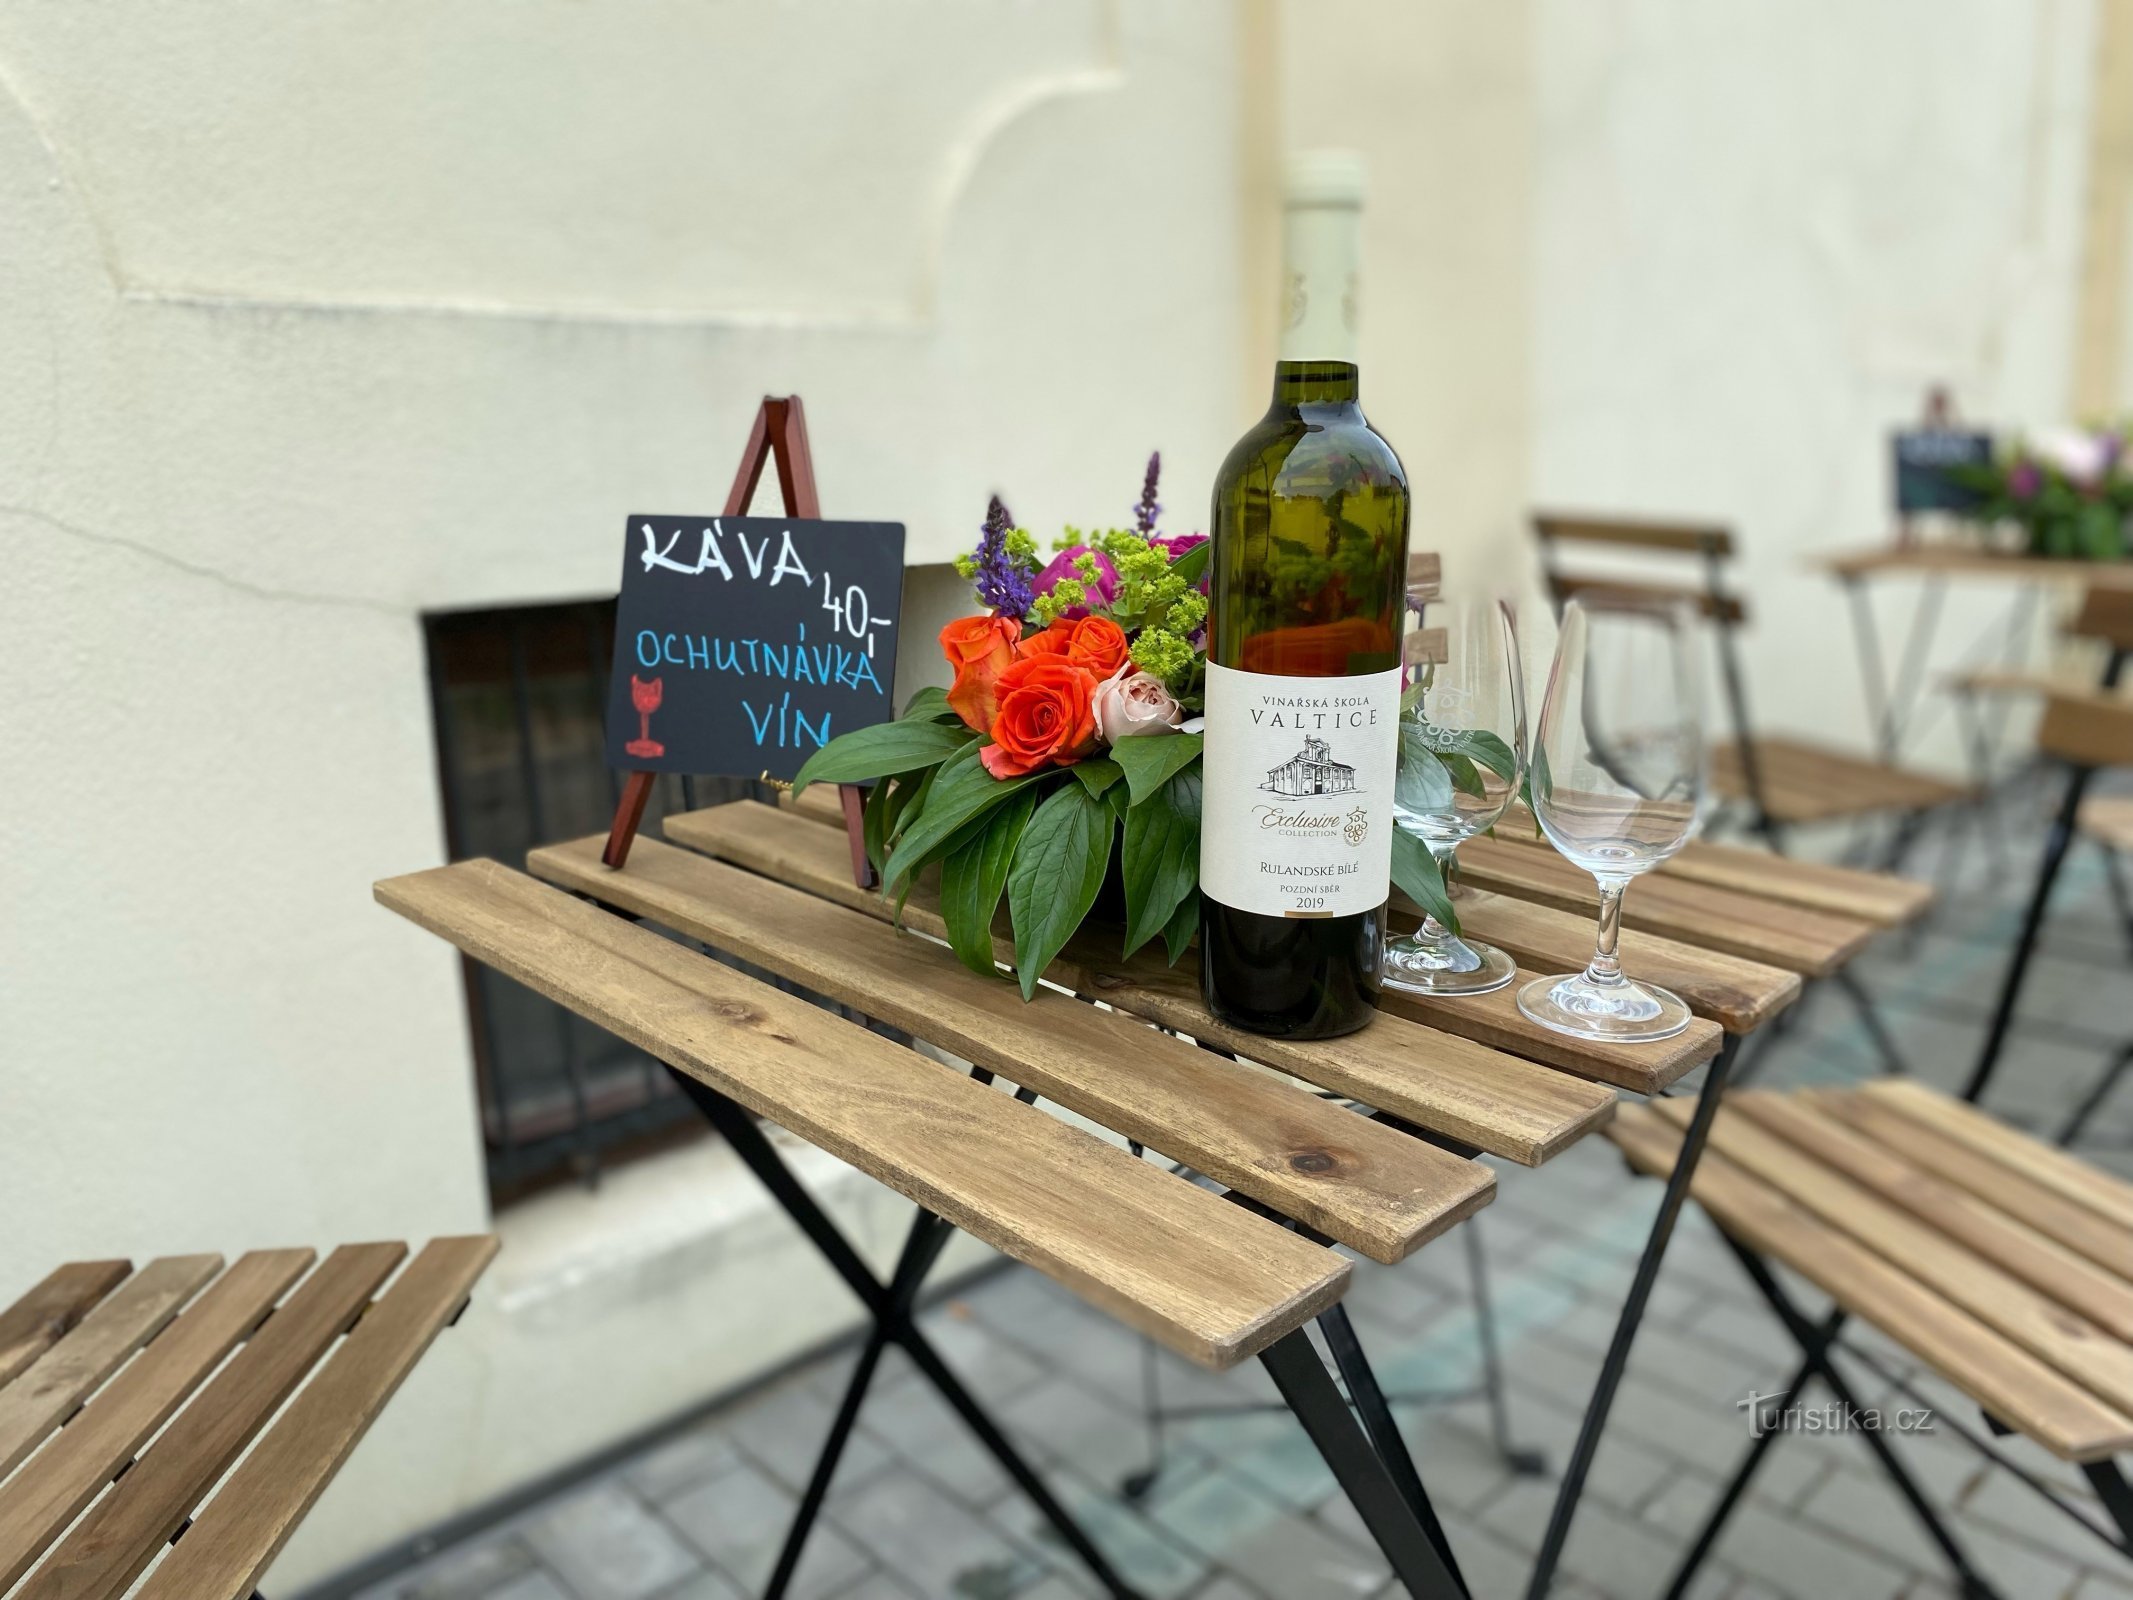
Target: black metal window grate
[518, 697]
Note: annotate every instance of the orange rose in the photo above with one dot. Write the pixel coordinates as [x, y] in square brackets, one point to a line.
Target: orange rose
[1053, 641]
[1047, 714]
[1098, 644]
[980, 649]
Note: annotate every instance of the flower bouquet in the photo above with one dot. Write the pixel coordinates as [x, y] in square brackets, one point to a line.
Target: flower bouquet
[2069, 490]
[1067, 745]
[1065, 754]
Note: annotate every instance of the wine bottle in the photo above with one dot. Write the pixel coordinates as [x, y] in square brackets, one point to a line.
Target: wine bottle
[1308, 575]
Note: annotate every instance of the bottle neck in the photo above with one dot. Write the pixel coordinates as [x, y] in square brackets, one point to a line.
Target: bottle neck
[1315, 383]
[1321, 256]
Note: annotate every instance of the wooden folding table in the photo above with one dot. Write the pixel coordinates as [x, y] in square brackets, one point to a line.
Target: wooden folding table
[1436, 1082]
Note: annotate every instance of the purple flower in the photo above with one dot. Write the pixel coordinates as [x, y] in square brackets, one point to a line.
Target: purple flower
[2024, 479]
[1001, 582]
[1147, 511]
[1103, 591]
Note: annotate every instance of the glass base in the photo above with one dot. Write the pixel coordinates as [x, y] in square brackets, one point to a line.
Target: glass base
[1446, 966]
[1619, 1013]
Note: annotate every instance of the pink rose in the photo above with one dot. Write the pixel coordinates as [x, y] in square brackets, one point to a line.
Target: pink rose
[1130, 703]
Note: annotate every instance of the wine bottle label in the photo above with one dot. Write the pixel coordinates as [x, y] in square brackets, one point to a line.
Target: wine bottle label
[1296, 792]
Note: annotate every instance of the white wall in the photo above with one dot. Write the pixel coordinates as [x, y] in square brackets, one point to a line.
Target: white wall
[319, 317]
[1761, 233]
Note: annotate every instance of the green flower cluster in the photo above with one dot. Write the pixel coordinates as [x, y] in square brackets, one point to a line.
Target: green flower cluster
[1067, 592]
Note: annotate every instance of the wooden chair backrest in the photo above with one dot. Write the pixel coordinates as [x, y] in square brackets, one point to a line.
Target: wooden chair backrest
[1707, 540]
[2090, 728]
[2105, 614]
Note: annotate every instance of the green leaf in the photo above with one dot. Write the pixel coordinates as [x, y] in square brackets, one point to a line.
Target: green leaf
[1097, 774]
[930, 704]
[874, 822]
[972, 877]
[1183, 924]
[1151, 759]
[1414, 869]
[1192, 565]
[1058, 868]
[1421, 784]
[1465, 776]
[881, 751]
[1161, 859]
[962, 792]
[1489, 750]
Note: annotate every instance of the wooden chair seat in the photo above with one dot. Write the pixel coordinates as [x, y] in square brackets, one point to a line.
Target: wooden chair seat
[2002, 1263]
[2109, 820]
[127, 1416]
[1808, 783]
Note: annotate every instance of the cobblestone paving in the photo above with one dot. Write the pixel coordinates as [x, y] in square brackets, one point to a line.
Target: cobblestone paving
[1242, 1508]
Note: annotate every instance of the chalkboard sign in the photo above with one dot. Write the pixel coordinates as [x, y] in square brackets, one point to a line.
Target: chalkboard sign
[745, 644]
[1927, 460]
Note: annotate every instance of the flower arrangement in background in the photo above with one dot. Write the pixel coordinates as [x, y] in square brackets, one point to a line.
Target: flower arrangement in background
[2069, 490]
[1066, 748]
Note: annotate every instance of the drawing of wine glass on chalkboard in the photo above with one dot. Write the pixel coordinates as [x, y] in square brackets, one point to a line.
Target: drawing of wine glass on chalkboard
[646, 697]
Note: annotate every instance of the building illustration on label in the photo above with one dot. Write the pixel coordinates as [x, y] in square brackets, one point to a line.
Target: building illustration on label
[1312, 770]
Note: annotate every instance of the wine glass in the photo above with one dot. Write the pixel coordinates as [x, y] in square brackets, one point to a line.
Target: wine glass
[1462, 755]
[1618, 784]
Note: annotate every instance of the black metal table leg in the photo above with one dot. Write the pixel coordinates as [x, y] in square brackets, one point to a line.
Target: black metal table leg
[1309, 1390]
[1640, 1289]
[749, 1142]
[2110, 1486]
[921, 1249]
[1369, 1402]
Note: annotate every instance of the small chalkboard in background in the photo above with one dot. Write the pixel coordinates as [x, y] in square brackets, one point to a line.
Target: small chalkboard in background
[1929, 463]
[745, 644]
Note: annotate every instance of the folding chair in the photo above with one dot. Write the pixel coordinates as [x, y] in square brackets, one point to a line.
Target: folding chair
[1995, 1261]
[1784, 782]
[2088, 730]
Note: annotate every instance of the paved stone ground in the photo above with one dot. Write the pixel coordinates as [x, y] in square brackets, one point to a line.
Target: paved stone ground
[1243, 1509]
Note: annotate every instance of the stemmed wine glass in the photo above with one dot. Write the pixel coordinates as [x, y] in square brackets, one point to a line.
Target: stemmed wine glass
[1618, 784]
[1462, 755]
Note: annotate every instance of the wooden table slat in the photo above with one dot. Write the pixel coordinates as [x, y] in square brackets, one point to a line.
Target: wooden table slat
[1738, 994]
[1208, 1279]
[1360, 1183]
[37, 1505]
[1881, 898]
[1494, 1102]
[1810, 942]
[41, 1318]
[43, 1397]
[1999, 1375]
[2036, 1258]
[1718, 986]
[235, 1537]
[113, 1544]
[2051, 1332]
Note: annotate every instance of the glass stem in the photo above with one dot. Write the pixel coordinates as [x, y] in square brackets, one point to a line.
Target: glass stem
[1432, 931]
[1606, 966]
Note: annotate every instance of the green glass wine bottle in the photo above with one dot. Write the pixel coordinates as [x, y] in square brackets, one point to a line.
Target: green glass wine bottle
[1303, 677]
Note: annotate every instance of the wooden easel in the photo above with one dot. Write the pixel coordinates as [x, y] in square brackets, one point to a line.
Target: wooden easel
[780, 431]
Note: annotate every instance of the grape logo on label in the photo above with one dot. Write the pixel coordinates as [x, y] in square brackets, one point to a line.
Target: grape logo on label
[1358, 828]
